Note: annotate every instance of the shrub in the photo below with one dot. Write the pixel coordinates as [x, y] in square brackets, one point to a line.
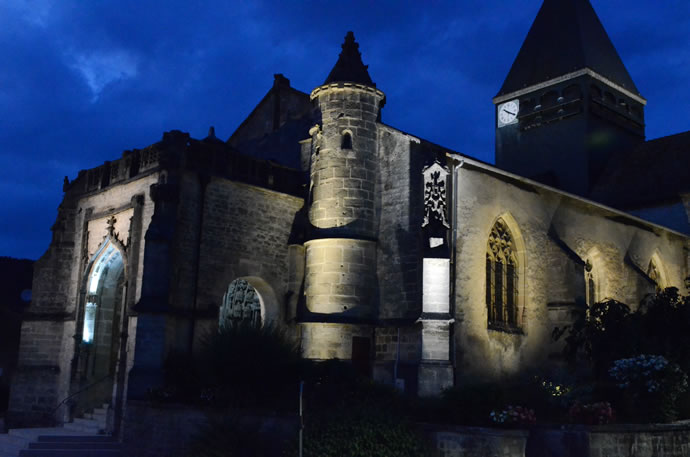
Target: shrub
[651, 386]
[248, 365]
[514, 416]
[348, 415]
[598, 413]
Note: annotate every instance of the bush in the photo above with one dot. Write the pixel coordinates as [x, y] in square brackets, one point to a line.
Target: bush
[610, 331]
[598, 413]
[240, 366]
[347, 415]
[471, 402]
[651, 386]
[250, 366]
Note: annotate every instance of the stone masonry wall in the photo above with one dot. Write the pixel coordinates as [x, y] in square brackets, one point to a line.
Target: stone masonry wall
[341, 277]
[554, 234]
[169, 430]
[344, 179]
[330, 341]
[47, 343]
[401, 211]
[245, 234]
[455, 441]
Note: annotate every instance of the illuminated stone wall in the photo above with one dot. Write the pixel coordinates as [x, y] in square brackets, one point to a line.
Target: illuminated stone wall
[344, 178]
[324, 341]
[341, 277]
[399, 255]
[47, 344]
[556, 232]
[245, 234]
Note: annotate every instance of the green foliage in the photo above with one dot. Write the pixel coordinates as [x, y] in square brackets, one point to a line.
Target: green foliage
[610, 331]
[651, 385]
[361, 431]
[471, 402]
[607, 332]
[347, 416]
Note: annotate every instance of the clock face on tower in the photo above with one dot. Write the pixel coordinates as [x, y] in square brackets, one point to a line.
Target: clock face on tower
[507, 112]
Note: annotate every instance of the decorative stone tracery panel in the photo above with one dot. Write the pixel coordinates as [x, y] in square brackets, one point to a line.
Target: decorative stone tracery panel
[241, 303]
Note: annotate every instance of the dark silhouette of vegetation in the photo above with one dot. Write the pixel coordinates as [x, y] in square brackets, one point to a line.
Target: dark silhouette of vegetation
[610, 331]
[240, 366]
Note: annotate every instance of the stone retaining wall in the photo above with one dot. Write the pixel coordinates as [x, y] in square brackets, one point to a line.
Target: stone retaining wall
[168, 430]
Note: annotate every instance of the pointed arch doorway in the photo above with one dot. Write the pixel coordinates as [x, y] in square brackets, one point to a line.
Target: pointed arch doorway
[99, 339]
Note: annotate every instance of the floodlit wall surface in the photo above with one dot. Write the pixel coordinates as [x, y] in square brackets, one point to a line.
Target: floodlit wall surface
[47, 344]
[553, 235]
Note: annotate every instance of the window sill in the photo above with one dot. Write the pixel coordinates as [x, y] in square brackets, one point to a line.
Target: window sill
[505, 328]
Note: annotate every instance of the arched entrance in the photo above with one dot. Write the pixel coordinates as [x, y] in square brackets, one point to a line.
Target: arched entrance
[100, 328]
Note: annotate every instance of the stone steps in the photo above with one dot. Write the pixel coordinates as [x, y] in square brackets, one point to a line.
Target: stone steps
[77, 446]
[84, 437]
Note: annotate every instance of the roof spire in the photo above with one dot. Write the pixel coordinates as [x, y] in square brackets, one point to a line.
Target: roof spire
[566, 36]
[349, 66]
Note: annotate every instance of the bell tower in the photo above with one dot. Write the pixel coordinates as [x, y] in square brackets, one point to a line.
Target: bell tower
[341, 285]
[568, 101]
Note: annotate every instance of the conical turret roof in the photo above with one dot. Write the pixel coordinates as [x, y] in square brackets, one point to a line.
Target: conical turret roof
[566, 36]
[349, 66]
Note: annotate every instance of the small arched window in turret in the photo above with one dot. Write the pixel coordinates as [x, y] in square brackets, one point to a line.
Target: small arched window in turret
[346, 140]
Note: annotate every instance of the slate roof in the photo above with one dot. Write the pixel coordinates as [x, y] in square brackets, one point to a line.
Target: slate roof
[349, 67]
[653, 173]
[566, 36]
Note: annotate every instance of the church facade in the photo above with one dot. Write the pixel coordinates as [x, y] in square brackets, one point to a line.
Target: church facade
[420, 265]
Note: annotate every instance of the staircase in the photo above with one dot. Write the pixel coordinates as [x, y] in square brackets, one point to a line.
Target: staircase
[82, 438]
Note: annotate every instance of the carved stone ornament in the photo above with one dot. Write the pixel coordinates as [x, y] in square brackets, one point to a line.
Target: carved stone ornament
[240, 303]
[435, 177]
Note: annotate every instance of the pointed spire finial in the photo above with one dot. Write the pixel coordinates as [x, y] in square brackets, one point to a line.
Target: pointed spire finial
[349, 67]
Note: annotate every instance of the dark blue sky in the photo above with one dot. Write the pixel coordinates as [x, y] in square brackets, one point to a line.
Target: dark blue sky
[82, 81]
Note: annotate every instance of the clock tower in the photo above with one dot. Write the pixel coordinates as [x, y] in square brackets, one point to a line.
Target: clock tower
[568, 101]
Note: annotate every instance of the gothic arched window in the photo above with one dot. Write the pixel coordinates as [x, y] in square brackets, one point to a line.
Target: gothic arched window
[501, 279]
[241, 304]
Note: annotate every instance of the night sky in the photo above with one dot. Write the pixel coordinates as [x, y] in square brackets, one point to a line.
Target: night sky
[81, 81]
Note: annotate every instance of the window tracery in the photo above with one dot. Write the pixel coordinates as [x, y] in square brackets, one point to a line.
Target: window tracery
[501, 279]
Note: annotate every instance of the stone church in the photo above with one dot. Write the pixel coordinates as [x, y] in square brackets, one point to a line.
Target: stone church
[420, 265]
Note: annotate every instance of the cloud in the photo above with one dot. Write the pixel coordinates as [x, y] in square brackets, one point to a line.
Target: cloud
[102, 68]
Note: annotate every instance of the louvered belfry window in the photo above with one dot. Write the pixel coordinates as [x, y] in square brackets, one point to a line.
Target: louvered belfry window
[501, 279]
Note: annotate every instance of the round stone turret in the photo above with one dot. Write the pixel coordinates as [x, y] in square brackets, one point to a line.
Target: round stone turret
[344, 166]
[341, 257]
